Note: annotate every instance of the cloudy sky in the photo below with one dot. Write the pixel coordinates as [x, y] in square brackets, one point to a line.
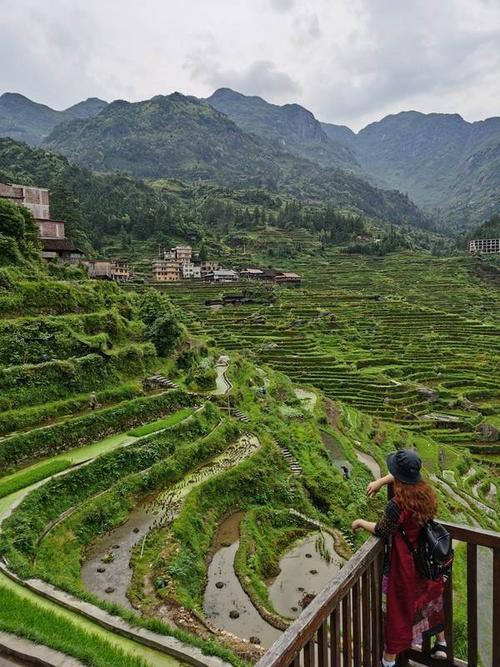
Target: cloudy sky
[348, 61]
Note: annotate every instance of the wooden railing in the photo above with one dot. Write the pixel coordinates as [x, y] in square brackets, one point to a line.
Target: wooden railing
[342, 627]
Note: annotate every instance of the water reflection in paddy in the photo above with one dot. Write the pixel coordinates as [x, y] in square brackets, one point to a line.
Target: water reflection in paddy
[296, 579]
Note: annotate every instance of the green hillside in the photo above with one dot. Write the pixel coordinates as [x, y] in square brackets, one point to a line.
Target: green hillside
[112, 212]
[124, 506]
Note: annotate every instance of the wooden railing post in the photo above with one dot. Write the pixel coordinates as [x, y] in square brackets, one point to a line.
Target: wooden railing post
[448, 618]
[366, 617]
[496, 605]
[471, 605]
[335, 638]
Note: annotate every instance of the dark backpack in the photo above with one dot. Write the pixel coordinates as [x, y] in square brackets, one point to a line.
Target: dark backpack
[434, 553]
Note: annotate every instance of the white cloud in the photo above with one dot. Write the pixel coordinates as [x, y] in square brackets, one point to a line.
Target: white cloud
[259, 78]
[282, 5]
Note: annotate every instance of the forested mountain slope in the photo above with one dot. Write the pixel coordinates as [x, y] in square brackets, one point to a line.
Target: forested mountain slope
[179, 137]
[445, 164]
[25, 120]
[290, 125]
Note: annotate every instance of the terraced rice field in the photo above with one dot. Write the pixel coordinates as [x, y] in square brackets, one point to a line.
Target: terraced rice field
[406, 346]
[409, 339]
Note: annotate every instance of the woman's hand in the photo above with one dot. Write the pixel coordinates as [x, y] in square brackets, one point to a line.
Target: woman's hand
[374, 487]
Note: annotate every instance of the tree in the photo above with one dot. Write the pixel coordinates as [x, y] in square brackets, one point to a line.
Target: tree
[152, 305]
[12, 221]
[165, 334]
[203, 254]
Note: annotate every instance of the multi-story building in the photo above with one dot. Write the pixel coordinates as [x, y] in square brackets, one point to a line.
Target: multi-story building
[166, 270]
[209, 266]
[35, 199]
[55, 245]
[108, 269]
[484, 245]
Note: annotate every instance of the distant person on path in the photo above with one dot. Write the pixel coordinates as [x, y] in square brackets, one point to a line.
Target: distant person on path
[345, 472]
[93, 402]
[412, 604]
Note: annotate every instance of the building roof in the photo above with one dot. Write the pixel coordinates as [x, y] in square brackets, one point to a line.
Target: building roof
[288, 274]
[59, 244]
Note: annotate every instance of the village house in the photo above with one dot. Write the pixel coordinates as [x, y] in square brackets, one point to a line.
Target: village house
[208, 266]
[107, 269]
[274, 276]
[221, 276]
[183, 252]
[55, 245]
[287, 278]
[166, 270]
[251, 274]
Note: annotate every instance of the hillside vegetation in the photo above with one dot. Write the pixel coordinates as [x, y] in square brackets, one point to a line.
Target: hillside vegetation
[115, 210]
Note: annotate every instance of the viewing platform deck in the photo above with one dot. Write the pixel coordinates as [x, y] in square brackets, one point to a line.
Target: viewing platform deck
[342, 627]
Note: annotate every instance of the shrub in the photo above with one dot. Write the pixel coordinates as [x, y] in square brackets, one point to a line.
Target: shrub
[52, 380]
[165, 333]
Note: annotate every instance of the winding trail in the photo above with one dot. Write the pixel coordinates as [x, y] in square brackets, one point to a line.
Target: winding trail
[369, 462]
[222, 384]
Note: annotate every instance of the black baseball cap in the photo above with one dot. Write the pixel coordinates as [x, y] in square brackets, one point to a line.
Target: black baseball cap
[405, 465]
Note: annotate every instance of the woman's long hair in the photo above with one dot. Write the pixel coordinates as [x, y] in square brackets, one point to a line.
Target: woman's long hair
[420, 499]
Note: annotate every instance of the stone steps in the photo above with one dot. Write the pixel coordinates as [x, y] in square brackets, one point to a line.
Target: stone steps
[295, 466]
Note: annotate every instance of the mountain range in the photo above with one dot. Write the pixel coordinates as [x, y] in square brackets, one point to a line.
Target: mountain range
[450, 168]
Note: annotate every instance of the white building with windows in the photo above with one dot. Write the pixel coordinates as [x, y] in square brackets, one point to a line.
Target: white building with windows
[190, 270]
[484, 245]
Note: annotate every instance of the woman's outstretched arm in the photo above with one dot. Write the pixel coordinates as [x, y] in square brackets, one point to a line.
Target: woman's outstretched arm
[374, 487]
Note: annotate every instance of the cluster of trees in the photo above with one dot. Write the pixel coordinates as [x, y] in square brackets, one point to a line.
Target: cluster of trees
[18, 235]
[488, 230]
[391, 241]
[333, 226]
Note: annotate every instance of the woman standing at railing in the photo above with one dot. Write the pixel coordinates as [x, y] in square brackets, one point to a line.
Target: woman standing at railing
[413, 605]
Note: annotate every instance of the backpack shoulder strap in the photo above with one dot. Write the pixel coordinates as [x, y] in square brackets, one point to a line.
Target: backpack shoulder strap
[407, 541]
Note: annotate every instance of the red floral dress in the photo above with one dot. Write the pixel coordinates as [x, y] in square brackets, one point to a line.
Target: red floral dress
[413, 605]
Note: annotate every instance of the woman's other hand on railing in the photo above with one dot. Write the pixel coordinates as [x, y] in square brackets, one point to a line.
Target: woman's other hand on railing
[361, 524]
